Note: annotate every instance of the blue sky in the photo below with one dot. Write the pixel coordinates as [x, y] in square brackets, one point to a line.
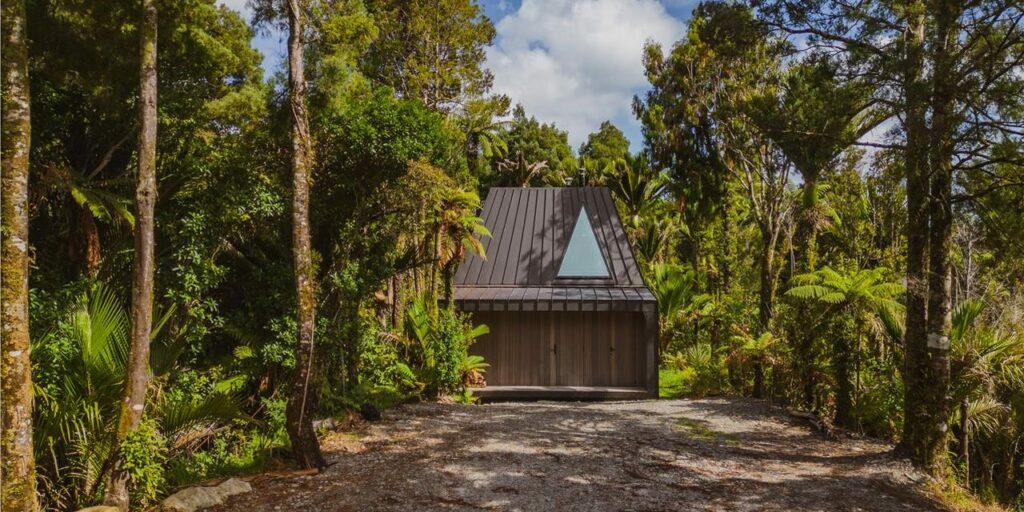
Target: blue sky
[573, 63]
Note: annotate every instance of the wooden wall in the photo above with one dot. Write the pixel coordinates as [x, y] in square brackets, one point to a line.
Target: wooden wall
[566, 348]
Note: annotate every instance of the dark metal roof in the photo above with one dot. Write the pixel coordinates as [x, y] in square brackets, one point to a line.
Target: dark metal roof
[516, 298]
[530, 230]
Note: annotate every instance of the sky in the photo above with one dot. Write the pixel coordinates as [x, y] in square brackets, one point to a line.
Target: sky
[572, 63]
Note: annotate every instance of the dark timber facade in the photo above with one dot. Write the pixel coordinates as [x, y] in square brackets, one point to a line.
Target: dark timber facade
[569, 314]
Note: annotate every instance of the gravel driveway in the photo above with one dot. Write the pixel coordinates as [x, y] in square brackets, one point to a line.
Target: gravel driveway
[712, 454]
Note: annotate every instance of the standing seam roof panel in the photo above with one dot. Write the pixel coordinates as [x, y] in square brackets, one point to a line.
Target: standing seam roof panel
[603, 228]
[503, 238]
[476, 263]
[530, 233]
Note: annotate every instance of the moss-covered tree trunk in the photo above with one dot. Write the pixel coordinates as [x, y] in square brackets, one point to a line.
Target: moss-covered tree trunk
[842, 360]
[934, 452]
[133, 403]
[766, 297]
[926, 372]
[807, 233]
[299, 414]
[17, 467]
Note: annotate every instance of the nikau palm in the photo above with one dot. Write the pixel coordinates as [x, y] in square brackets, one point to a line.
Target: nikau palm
[983, 362]
[521, 171]
[635, 185]
[76, 418]
[865, 295]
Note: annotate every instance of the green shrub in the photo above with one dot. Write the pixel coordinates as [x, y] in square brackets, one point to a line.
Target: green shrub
[144, 452]
[449, 346]
[243, 448]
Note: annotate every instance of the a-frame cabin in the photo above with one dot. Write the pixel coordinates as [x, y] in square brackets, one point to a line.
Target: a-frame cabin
[569, 314]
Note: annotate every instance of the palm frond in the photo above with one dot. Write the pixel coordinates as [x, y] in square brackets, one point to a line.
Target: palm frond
[176, 417]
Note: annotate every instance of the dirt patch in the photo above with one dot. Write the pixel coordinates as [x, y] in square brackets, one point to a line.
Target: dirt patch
[713, 454]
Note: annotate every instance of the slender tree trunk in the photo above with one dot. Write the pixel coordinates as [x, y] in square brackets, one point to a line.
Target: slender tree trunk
[473, 157]
[808, 223]
[844, 391]
[17, 467]
[396, 308]
[299, 415]
[809, 383]
[133, 403]
[448, 275]
[965, 439]
[766, 300]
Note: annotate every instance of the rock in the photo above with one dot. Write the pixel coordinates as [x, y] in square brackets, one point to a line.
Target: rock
[199, 498]
[325, 424]
[100, 508]
[233, 486]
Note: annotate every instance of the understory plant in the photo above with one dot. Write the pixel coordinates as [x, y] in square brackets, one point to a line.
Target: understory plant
[436, 343]
[77, 408]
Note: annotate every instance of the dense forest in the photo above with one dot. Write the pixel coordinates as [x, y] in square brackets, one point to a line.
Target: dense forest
[200, 262]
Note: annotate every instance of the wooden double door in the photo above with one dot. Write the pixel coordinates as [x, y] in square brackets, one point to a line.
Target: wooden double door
[562, 348]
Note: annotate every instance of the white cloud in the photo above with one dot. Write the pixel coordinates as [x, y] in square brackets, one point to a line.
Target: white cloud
[579, 63]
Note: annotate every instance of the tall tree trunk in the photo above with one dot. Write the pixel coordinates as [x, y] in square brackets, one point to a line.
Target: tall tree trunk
[915, 341]
[299, 415]
[807, 233]
[17, 467]
[940, 239]
[926, 374]
[133, 403]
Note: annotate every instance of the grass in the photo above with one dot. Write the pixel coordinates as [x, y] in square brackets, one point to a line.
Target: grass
[697, 429]
[672, 383]
[954, 497]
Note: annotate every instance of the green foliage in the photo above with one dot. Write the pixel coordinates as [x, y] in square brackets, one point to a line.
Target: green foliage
[143, 455]
[442, 339]
[405, 131]
[608, 143]
[414, 34]
[533, 142]
[700, 371]
[241, 449]
[77, 406]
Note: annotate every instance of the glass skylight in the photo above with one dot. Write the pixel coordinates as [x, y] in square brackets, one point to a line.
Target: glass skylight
[583, 256]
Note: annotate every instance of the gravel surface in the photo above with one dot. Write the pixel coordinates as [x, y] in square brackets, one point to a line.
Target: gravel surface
[712, 454]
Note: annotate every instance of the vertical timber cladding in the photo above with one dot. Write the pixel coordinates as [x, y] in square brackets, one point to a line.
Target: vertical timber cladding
[563, 348]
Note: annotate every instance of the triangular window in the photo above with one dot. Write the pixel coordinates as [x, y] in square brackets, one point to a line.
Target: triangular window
[583, 257]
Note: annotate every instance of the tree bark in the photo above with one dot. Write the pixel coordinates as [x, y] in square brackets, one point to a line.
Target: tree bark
[940, 237]
[807, 233]
[766, 299]
[85, 245]
[965, 439]
[299, 414]
[928, 168]
[17, 466]
[915, 339]
[133, 403]
[844, 387]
